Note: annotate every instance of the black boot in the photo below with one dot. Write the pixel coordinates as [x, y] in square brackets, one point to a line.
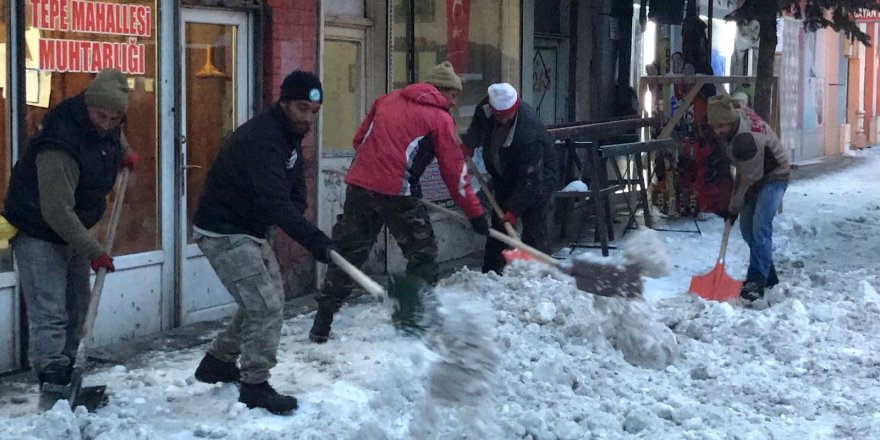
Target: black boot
[55, 377]
[262, 395]
[213, 370]
[320, 331]
[752, 291]
[54, 386]
[772, 278]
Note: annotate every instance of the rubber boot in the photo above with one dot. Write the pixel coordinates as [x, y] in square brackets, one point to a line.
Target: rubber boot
[262, 395]
[320, 331]
[213, 370]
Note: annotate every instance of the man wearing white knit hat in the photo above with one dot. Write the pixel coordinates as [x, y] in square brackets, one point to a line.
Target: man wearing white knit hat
[519, 156]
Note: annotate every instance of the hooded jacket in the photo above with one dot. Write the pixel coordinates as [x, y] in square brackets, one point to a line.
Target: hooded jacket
[528, 162]
[757, 155]
[392, 149]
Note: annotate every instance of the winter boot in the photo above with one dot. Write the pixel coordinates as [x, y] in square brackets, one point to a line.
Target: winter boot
[53, 387]
[262, 395]
[213, 370]
[320, 331]
[772, 278]
[752, 291]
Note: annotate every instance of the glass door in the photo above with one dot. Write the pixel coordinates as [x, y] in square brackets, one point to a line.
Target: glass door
[344, 106]
[216, 84]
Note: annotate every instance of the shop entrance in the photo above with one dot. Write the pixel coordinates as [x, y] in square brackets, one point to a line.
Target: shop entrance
[215, 99]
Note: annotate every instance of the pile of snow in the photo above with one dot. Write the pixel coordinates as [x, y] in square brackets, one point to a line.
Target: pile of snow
[803, 364]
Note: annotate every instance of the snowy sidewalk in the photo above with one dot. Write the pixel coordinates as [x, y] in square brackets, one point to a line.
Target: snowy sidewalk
[806, 367]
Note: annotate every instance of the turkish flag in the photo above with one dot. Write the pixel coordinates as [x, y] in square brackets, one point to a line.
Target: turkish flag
[458, 17]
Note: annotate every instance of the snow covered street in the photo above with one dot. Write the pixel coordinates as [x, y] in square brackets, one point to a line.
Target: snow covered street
[804, 364]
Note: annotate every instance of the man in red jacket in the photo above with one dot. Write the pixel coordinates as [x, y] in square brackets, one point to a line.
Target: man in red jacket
[403, 132]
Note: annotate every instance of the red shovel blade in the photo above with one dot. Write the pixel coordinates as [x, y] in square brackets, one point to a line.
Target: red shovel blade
[516, 254]
[715, 285]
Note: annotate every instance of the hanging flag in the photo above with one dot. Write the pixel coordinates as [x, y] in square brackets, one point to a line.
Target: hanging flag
[457, 27]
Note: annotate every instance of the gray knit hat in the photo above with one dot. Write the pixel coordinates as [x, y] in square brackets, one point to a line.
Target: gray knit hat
[443, 76]
[109, 90]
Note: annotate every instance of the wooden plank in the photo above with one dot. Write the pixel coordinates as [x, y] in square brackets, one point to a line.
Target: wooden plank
[602, 130]
[694, 79]
[637, 147]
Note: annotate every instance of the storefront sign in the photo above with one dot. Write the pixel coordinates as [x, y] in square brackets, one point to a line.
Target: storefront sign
[92, 17]
[867, 16]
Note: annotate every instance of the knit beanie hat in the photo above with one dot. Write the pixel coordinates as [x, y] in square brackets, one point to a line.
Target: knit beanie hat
[302, 86]
[109, 90]
[503, 98]
[443, 76]
[720, 111]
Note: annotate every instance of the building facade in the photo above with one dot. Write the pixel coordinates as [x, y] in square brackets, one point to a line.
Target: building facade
[196, 70]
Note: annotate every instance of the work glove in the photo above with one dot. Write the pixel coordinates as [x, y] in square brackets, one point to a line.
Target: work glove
[480, 225]
[727, 215]
[104, 261]
[509, 217]
[129, 161]
[321, 247]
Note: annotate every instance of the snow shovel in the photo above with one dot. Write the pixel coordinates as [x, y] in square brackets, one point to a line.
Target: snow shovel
[413, 308]
[612, 278]
[510, 229]
[91, 397]
[717, 285]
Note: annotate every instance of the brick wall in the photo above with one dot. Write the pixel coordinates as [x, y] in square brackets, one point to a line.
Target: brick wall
[291, 43]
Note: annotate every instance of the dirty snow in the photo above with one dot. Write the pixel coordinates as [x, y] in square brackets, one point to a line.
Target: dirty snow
[568, 365]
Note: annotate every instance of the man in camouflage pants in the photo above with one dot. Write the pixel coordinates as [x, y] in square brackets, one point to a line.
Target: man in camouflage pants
[403, 132]
[256, 183]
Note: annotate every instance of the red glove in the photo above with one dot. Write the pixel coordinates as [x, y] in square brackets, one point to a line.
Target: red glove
[129, 161]
[509, 217]
[104, 261]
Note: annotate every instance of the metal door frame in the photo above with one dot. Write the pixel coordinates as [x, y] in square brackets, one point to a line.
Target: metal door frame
[245, 98]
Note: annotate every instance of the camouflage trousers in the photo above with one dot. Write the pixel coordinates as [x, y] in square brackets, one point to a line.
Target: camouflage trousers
[355, 232]
[249, 271]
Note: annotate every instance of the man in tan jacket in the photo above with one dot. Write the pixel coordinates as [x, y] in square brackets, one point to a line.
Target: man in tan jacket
[762, 174]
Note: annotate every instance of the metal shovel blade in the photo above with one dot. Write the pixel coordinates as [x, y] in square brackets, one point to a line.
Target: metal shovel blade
[715, 285]
[92, 397]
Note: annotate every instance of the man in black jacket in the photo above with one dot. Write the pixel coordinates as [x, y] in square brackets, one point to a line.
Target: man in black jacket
[256, 182]
[56, 194]
[522, 162]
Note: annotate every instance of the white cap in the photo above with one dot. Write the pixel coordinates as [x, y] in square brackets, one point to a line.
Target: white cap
[502, 96]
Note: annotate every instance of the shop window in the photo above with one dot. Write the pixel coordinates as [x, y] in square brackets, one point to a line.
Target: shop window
[5, 144]
[66, 44]
[482, 40]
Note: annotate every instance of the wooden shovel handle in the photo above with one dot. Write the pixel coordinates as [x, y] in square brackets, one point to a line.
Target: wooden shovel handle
[511, 231]
[372, 287]
[724, 237]
[510, 241]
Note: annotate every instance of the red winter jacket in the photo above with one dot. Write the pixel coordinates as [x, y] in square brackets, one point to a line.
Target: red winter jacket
[391, 151]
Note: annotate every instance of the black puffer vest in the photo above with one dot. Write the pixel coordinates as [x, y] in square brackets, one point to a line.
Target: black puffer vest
[65, 128]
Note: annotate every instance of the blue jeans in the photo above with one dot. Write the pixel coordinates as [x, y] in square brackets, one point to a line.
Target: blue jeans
[55, 282]
[756, 225]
